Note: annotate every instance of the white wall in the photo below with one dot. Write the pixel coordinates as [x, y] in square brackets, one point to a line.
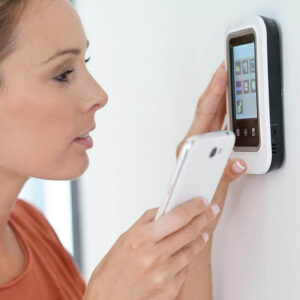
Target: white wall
[154, 58]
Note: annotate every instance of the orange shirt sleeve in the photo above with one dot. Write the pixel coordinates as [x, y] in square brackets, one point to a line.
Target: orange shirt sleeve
[49, 271]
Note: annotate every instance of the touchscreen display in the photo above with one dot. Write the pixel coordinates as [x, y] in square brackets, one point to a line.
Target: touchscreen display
[245, 101]
[245, 110]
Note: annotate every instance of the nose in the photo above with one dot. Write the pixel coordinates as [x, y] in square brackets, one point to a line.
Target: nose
[103, 97]
[99, 95]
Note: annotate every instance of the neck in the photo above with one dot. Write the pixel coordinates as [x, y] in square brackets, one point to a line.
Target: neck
[10, 187]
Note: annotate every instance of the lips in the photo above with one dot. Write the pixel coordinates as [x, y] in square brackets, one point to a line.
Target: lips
[85, 134]
[86, 142]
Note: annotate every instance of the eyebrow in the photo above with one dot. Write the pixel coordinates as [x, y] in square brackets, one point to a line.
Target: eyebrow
[75, 51]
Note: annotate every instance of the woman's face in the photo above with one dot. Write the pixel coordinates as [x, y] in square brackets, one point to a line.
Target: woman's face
[42, 111]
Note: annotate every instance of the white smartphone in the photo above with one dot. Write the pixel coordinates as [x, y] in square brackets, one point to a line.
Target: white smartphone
[199, 168]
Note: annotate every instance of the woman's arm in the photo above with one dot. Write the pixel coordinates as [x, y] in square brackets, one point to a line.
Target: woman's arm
[198, 283]
[209, 116]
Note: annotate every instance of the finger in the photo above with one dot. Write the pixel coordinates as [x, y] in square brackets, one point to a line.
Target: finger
[206, 119]
[178, 217]
[197, 127]
[220, 115]
[147, 216]
[233, 170]
[186, 235]
[221, 110]
[180, 278]
[183, 258]
[221, 66]
[208, 106]
[204, 94]
[214, 95]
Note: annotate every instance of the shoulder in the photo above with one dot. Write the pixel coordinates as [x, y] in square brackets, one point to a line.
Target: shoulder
[27, 215]
[38, 234]
[22, 206]
[27, 210]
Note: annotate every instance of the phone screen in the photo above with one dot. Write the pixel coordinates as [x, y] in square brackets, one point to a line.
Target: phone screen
[244, 90]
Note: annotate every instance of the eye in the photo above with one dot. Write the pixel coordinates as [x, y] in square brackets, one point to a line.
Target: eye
[63, 76]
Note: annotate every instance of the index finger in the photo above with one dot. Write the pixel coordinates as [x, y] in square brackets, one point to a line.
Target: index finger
[209, 102]
[178, 217]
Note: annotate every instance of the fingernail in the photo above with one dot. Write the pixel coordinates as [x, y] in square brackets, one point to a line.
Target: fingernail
[205, 236]
[237, 167]
[215, 209]
[205, 201]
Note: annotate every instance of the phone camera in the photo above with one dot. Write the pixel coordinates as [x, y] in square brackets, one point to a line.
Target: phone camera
[213, 152]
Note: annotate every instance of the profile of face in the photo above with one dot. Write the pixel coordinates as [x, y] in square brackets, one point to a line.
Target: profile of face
[43, 106]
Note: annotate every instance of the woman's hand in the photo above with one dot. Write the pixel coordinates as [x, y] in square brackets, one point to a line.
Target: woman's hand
[150, 260]
[209, 116]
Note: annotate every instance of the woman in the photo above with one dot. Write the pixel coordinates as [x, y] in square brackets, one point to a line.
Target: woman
[48, 99]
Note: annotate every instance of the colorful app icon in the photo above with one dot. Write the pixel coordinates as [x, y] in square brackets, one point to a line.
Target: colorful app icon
[252, 65]
[238, 68]
[246, 86]
[245, 67]
[239, 108]
[239, 89]
[253, 86]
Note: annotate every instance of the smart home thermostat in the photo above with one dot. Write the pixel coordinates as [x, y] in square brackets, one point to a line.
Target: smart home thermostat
[254, 93]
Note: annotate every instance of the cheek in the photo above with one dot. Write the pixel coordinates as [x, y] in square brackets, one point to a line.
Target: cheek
[37, 141]
[46, 158]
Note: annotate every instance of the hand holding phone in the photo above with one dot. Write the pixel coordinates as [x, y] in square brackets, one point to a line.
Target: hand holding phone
[158, 253]
[199, 168]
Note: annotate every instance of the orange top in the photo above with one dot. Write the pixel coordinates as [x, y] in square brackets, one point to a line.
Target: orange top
[49, 271]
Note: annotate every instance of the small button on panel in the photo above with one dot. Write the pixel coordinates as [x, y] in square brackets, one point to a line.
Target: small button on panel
[274, 130]
[274, 133]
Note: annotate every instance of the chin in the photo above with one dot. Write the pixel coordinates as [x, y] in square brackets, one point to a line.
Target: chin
[70, 170]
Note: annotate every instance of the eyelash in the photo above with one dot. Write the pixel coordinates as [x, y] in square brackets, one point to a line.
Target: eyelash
[69, 72]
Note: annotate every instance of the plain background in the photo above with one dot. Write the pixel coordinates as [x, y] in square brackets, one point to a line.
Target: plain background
[154, 59]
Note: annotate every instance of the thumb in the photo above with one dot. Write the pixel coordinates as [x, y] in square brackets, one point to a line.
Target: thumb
[233, 170]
